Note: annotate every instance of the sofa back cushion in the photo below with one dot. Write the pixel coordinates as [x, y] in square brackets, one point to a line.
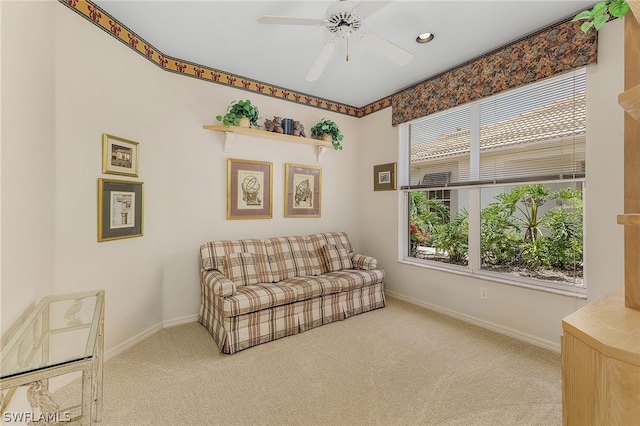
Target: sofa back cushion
[315, 242]
[247, 268]
[336, 257]
[212, 253]
[288, 257]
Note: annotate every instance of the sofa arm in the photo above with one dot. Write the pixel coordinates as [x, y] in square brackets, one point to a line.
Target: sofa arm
[360, 261]
[218, 283]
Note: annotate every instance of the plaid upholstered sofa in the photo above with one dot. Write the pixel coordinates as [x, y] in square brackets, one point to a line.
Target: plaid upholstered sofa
[255, 291]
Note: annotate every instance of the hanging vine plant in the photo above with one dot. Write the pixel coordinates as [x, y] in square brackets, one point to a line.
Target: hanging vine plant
[600, 14]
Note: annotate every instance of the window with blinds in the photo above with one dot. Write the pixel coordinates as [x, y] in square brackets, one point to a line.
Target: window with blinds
[496, 186]
[537, 132]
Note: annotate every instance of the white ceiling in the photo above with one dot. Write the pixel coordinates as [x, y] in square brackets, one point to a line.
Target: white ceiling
[225, 35]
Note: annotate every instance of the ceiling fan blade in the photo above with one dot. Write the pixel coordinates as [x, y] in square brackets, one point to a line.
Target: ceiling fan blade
[286, 20]
[387, 49]
[321, 60]
[367, 8]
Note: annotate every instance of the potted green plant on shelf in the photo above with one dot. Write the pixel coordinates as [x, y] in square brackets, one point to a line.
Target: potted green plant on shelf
[240, 113]
[600, 14]
[329, 128]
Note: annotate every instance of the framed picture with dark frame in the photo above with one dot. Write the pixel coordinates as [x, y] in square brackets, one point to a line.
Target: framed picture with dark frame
[120, 209]
[384, 177]
[249, 189]
[303, 191]
[119, 156]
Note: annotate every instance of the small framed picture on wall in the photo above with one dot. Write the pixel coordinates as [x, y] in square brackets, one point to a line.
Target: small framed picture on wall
[119, 156]
[120, 209]
[249, 189]
[303, 191]
[384, 177]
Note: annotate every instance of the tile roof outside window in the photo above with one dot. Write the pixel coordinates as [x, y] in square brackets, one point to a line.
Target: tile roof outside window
[562, 119]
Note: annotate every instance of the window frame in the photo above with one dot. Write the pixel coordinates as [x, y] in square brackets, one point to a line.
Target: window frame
[474, 269]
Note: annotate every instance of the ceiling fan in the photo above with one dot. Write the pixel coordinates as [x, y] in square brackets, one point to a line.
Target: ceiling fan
[342, 19]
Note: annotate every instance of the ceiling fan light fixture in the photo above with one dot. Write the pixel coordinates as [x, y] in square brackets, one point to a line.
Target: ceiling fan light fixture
[424, 38]
[344, 18]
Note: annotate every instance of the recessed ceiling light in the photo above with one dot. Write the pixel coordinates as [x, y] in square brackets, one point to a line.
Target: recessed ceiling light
[424, 38]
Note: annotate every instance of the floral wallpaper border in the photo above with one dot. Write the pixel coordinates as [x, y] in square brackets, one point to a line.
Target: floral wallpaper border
[549, 52]
[106, 22]
[544, 54]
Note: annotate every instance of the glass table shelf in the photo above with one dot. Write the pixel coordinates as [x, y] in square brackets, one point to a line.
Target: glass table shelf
[60, 335]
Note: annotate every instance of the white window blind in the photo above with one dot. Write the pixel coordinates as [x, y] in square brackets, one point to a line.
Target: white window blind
[533, 133]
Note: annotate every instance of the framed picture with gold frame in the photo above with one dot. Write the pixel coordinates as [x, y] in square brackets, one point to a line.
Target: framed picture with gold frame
[119, 156]
[120, 209]
[384, 177]
[249, 189]
[303, 191]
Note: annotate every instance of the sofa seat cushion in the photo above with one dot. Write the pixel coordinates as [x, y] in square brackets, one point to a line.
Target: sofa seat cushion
[309, 287]
[288, 257]
[252, 298]
[351, 279]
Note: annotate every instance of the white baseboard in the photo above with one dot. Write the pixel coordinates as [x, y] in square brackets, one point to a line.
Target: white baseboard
[60, 381]
[180, 321]
[516, 334]
[147, 333]
[129, 343]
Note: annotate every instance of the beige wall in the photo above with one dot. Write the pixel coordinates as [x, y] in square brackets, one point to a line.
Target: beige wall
[85, 83]
[604, 254]
[27, 95]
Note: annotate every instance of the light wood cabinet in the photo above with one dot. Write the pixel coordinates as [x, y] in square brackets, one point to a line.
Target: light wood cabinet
[601, 341]
[601, 364]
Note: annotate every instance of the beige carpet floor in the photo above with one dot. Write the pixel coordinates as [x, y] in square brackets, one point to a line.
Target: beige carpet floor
[400, 365]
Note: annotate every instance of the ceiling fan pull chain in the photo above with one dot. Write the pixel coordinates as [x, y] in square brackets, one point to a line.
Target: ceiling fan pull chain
[347, 57]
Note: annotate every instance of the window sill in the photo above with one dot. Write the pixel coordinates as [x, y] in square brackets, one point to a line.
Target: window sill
[486, 276]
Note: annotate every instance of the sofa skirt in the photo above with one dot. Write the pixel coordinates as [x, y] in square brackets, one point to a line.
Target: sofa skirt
[240, 332]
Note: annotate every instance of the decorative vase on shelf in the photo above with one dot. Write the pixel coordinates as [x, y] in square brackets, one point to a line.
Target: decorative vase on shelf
[327, 137]
[244, 122]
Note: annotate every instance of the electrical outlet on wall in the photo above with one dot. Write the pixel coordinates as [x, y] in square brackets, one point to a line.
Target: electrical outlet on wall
[483, 293]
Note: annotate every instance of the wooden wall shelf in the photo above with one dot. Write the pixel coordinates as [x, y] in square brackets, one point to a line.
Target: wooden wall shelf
[631, 219]
[230, 131]
[630, 101]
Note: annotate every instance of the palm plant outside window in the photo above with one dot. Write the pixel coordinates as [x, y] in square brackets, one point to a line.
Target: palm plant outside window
[495, 187]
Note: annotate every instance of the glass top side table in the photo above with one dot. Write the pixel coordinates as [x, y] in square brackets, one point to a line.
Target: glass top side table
[60, 335]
